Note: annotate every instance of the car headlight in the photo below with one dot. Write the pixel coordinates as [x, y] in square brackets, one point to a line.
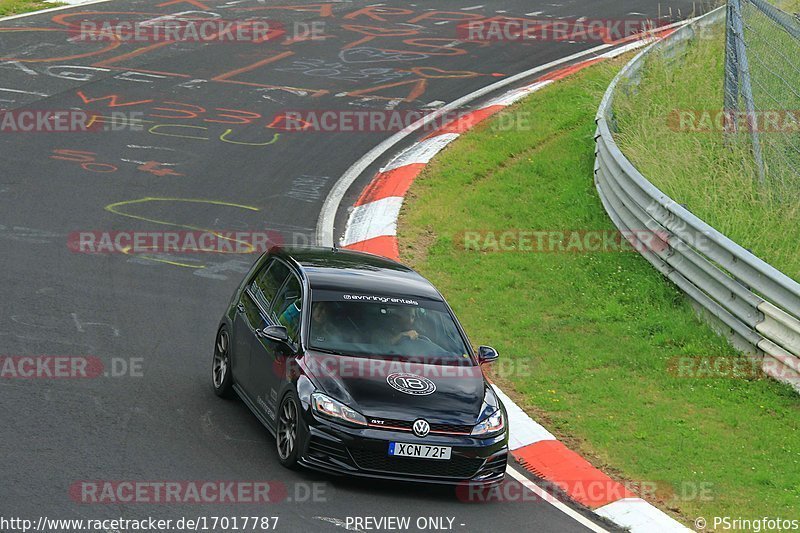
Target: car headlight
[492, 424]
[331, 409]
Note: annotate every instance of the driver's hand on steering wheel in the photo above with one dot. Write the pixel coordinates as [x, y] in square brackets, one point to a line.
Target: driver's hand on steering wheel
[411, 334]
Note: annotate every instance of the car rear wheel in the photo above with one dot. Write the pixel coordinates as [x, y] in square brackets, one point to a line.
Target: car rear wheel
[221, 376]
[290, 430]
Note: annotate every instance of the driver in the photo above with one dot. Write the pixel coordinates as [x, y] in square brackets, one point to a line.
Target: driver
[322, 327]
[404, 325]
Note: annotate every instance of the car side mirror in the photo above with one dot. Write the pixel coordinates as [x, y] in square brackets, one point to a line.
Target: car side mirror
[274, 333]
[487, 354]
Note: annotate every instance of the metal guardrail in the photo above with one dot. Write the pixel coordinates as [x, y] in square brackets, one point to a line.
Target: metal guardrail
[757, 306]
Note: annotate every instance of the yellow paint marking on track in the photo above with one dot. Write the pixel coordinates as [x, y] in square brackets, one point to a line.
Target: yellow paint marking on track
[157, 260]
[115, 208]
[224, 136]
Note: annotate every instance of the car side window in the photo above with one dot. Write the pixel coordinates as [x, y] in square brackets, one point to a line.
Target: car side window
[288, 306]
[252, 311]
[267, 282]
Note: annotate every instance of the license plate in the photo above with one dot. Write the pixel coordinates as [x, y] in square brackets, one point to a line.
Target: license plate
[423, 451]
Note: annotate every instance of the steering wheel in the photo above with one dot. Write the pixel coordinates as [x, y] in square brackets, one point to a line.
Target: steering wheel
[422, 338]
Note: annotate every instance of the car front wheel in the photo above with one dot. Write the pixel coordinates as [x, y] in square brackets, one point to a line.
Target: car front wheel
[290, 430]
[221, 376]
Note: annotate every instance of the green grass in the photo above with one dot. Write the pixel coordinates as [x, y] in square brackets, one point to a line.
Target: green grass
[15, 7]
[587, 338]
[716, 182]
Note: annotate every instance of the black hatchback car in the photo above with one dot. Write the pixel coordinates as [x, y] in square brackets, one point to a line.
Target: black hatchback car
[358, 366]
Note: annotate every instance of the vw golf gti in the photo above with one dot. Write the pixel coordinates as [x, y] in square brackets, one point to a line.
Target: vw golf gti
[357, 365]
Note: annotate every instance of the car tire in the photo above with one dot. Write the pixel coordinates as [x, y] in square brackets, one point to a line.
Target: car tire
[221, 374]
[290, 430]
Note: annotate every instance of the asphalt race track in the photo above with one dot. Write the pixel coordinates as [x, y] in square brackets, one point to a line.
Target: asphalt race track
[205, 149]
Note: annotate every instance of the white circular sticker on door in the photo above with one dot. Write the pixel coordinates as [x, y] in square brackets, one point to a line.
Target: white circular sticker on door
[411, 384]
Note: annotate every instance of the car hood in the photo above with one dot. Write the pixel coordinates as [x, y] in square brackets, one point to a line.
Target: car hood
[460, 394]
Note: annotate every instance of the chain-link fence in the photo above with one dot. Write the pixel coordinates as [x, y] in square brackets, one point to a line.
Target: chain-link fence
[762, 90]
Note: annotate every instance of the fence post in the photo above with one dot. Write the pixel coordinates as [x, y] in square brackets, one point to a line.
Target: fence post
[731, 70]
[745, 84]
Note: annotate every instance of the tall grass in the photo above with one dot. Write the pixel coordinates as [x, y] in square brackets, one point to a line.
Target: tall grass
[715, 181]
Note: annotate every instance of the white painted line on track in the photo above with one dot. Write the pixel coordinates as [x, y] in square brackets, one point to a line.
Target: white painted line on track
[640, 517]
[512, 97]
[422, 152]
[18, 91]
[376, 219]
[555, 502]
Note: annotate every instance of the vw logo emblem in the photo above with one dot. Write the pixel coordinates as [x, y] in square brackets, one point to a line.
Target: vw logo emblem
[421, 428]
[411, 384]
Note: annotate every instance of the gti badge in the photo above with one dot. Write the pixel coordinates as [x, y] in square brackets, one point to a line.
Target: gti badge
[421, 428]
[411, 384]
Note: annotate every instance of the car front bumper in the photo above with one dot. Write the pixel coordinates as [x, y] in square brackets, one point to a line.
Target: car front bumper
[365, 452]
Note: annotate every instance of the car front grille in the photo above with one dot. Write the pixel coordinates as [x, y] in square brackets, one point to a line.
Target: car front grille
[380, 461]
[405, 425]
[450, 428]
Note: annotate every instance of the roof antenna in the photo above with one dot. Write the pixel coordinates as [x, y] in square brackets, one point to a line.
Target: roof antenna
[335, 246]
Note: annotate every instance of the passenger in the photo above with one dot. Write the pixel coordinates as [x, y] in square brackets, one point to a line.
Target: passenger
[290, 318]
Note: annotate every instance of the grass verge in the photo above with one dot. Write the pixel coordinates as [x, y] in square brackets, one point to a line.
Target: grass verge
[716, 182]
[588, 338]
[16, 7]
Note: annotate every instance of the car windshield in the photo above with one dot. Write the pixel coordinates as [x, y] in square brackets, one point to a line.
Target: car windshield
[385, 326]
